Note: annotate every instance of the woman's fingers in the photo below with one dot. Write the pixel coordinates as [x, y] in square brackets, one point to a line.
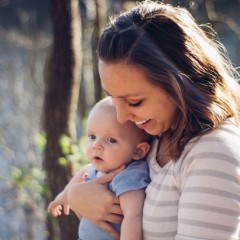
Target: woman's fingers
[115, 208]
[114, 218]
[108, 228]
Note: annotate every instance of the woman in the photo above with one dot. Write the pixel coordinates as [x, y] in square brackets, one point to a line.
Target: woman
[172, 79]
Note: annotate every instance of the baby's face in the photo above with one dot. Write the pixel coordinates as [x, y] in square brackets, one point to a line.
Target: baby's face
[109, 144]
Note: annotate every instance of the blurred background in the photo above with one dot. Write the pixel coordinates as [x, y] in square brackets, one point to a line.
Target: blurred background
[48, 82]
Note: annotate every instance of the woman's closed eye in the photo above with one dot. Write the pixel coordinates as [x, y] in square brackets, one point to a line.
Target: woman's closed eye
[135, 104]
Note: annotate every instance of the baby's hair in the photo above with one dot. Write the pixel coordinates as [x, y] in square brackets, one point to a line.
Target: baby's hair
[105, 102]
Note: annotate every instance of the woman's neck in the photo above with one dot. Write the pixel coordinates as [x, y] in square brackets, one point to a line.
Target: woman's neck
[163, 152]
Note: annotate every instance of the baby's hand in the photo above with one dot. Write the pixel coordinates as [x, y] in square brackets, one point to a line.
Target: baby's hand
[59, 203]
[55, 209]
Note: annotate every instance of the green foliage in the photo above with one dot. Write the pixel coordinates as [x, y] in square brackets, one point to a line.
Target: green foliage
[72, 152]
[29, 182]
[40, 140]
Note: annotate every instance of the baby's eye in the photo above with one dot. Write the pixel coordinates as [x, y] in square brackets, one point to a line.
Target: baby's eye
[91, 136]
[111, 140]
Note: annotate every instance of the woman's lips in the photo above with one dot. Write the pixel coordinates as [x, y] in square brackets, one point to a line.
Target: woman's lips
[142, 124]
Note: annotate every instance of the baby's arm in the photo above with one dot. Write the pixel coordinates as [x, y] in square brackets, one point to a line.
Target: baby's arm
[132, 205]
[55, 207]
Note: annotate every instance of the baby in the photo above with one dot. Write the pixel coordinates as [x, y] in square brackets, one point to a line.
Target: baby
[109, 146]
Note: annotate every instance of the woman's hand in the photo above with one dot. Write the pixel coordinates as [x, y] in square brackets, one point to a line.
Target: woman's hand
[95, 202]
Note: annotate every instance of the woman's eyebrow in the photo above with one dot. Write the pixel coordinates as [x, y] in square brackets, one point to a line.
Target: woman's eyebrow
[123, 96]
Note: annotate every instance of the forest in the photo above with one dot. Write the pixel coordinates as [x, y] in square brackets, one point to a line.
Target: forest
[49, 81]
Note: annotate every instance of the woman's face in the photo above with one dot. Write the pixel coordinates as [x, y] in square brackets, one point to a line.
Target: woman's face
[136, 98]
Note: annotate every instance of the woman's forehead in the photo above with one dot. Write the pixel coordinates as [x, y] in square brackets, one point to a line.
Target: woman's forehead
[123, 81]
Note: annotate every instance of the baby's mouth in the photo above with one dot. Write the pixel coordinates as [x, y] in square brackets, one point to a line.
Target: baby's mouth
[96, 158]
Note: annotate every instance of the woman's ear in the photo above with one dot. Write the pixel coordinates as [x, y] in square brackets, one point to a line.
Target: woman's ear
[141, 150]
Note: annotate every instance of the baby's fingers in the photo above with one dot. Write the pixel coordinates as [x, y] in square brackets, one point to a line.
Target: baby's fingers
[56, 210]
[66, 209]
[50, 206]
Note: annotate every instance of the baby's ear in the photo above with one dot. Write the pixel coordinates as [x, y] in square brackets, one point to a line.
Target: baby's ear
[141, 150]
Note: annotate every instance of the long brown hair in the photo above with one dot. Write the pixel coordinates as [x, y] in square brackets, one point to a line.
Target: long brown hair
[182, 58]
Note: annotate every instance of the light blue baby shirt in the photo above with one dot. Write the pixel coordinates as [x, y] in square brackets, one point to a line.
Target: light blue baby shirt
[135, 176]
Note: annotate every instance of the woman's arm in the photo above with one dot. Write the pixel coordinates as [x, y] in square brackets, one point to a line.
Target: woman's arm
[210, 198]
[95, 202]
[132, 205]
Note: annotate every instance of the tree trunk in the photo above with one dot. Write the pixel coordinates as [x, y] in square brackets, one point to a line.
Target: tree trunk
[100, 21]
[62, 81]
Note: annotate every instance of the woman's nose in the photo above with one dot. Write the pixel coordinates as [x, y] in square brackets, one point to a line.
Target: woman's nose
[123, 115]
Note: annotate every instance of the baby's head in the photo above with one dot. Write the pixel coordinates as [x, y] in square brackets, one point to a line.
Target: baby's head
[111, 144]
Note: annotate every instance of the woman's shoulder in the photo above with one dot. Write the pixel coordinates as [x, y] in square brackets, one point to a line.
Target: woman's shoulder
[218, 150]
[225, 137]
[227, 129]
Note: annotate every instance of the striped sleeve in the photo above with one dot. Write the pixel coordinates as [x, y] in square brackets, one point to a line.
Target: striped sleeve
[209, 206]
